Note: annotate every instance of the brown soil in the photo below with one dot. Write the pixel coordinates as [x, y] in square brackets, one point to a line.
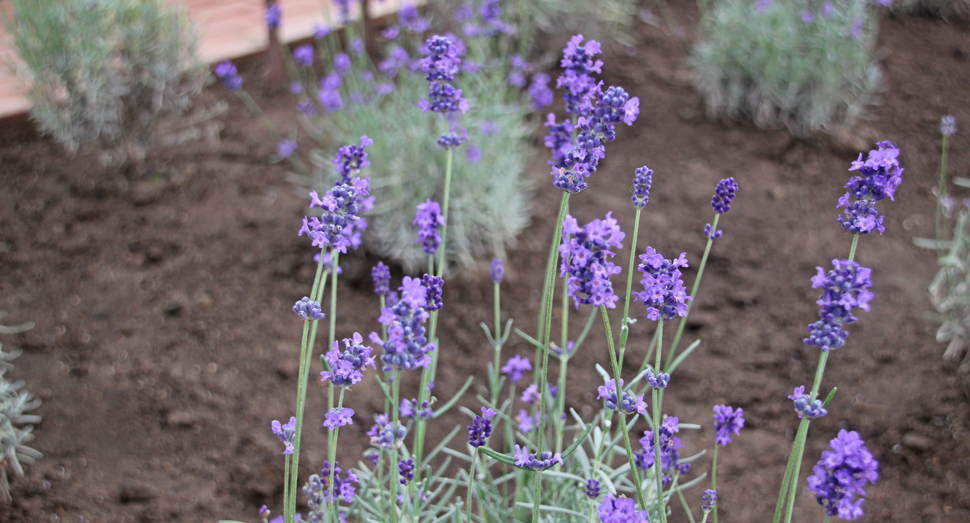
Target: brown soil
[165, 343]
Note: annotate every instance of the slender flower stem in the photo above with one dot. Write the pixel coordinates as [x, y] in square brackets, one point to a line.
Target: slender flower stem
[657, 403]
[693, 295]
[683, 502]
[563, 364]
[855, 243]
[395, 395]
[306, 349]
[940, 194]
[714, 478]
[286, 480]
[444, 212]
[497, 338]
[471, 482]
[335, 258]
[332, 456]
[624, 326]
[620, 413]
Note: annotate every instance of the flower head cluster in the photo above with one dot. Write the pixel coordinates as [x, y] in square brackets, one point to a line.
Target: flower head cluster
[805, 406]
[536, 461]
[340, 225]
[429, 219]
[657, 381]
[303, 55]
[396, 59]
[578, 66]
[723, 195]
[285, 148]
[710, 233]
[434, 286]
[308, 309]
[726, 421]
[382, 279]
[227, 72]
[481, 428]
[441, 65]
[670, 446]
[630, 404]
[707, 502]
[452, 139]
[406, 346]
[844, 288]
[531, 395]
[286, 433]
[409, 409]
[406, 470]
[663, 289]
[273, 15]
[515, 366]
[385, 434]
[592, 489]
[496, 271]
[620, 510]
[345, 367]
[539, 91]
[879, 176]
[642, 180]
[558, 139]
[351, 159]
[948, 125]
[410, 19]
[528, 422]
[491, 13]
[585, 254]
[317, 487]
[329, 95]
[841, 474]
[339, 417]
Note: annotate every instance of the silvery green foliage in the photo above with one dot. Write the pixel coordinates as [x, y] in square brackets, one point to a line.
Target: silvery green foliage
[602, 20]
[942, 8]
[806, 65]
[104, 72]
[950, 291]
[15, 425]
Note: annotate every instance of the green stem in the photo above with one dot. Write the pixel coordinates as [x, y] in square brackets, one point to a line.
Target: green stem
[683, 502]
[471, 481]
[940, 194]
[335, 258]
[497, 348]
[714, 478]
[657, 405]
[855, 242]
[286, 481]
[624, 327]
[799, 448]
[395, 407]
[693, 294]
[445, 212]
[622, 415]
[333, 457]
[563, 363]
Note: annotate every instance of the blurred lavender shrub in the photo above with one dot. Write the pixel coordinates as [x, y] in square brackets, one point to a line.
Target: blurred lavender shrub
[106, 72]
[806, 65]
[15, 425]
[950, 289]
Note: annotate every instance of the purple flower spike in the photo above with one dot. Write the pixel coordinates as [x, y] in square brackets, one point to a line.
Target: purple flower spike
[497, 271]
[406, 470]
[727, 421]
[434, 286]
[539, 92]
[948, 125]
[879, 176]
[663, 289]
[273, 15]
[843, 289]
[429, 219]
[451, 139]
[642, 180]
[318, 487]
[630, 404]
[303, 55]
[441, 66]
[620, 510]
[346, 367]
[227, 73]
[351, 159]
[340, 225]
[578, 65]
[285, 148]
[592, 489]
[658, 381]
[707, 502]
[286, 433]
[536, 462]
[585, 254]
[407, 346]
[805, 406]
[481, 428]
[382, 279]
[710, 233]
[339, 418]
[842, 474]
[723, 195]
[514, 368]
[308, 309]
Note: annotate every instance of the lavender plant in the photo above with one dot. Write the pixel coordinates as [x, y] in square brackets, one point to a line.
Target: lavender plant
[106, 73]
[804, 65]
[15, 425]
[941, 8]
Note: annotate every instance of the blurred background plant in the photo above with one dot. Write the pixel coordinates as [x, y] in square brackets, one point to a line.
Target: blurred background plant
[941, 8]
[15, 425]
[106, 72]
[807, 65]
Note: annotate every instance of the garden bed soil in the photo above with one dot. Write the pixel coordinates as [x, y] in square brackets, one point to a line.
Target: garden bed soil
[164, 341]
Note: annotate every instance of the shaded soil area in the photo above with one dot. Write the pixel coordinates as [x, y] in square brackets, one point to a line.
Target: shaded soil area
[165, 343]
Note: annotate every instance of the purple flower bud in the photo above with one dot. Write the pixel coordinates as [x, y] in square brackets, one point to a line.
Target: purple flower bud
[948, 125]
[642, 180]
[286, 433]
[842, 474]
[303, 55]
[285, 148]
[727, 421]
[723, 195]
[497, 271]
[382, 279]
[707, 502]
[308, 309]
[273, 15]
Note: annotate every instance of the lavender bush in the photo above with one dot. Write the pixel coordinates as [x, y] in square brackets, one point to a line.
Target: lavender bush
[804, 65]
[527, 458]
[15, 425]
[106, 73]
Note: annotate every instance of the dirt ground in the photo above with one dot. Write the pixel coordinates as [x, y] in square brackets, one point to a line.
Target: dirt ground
[165, 344]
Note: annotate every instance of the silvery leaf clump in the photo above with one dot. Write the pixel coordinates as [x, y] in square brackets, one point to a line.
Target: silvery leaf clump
[15, 425]
[950, 292]
[105, 73]
[804, 65]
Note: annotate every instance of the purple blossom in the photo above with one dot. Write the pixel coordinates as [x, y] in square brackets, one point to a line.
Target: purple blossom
[710, 233]
[344, 7]
[341, 63]
[441, 65]
[558, 139]
[515, 366]
[406, 470]
[585, 254]
[285, 148]
[842, 474]
[264, 512]
[338, 417]
[329, 95]
[397, 58]
[273, 15]
[630, 405]
[410, 19]
[948, 125]
[391, 33]
[429, 219]
[592, 489]
[409, 409]
[451, 139]
[481, 428]
[382, 279]
[708, 500]
[308, 309]
[407, 347]
[727, 421]
[663, 289]
[805, 406]
[306, 107]
[527, 422]
[384, 434]
[531, 395]
[539, 92]
[473, 153]
[351, 159]
[345, 367]
[286, 433]
[762, 5]
[642, 180]
[578, 65]
[434, 286]
[620, 510]
[536, 462]
[879, 176]
[318, 488]
[303, 55]
[488, 128]
[227, 72]
[497, 271]
[491, 13]
[340, 225]
[320, 31]
[657, 381]
[670, 446]
[357, 46]
[844, 288]
[808, 17]
[296, 88]
[723, 195]
[827, 10]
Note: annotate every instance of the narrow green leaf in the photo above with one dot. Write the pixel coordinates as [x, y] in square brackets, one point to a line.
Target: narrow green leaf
[498, 456]
[682, 356]
[454, 399]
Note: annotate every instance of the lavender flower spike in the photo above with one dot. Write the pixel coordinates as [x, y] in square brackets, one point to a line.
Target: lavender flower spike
[948, 125]
[308, 309]
[429, 219]
[286, 433]
[481, 428]
[382, 279]
[620, 510]
[339, 418]
[841, 474]
[227, 72]
[663, 293]
[723, 195]
[536, 462]
[585, 253]
[514, 368]
[707, 502]
[273, 15]
[805, 406]
[642, 180]
[844, 288]
[497, 271]
[727, 421]
[441, 66]
[346, 367]
[879, 176]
